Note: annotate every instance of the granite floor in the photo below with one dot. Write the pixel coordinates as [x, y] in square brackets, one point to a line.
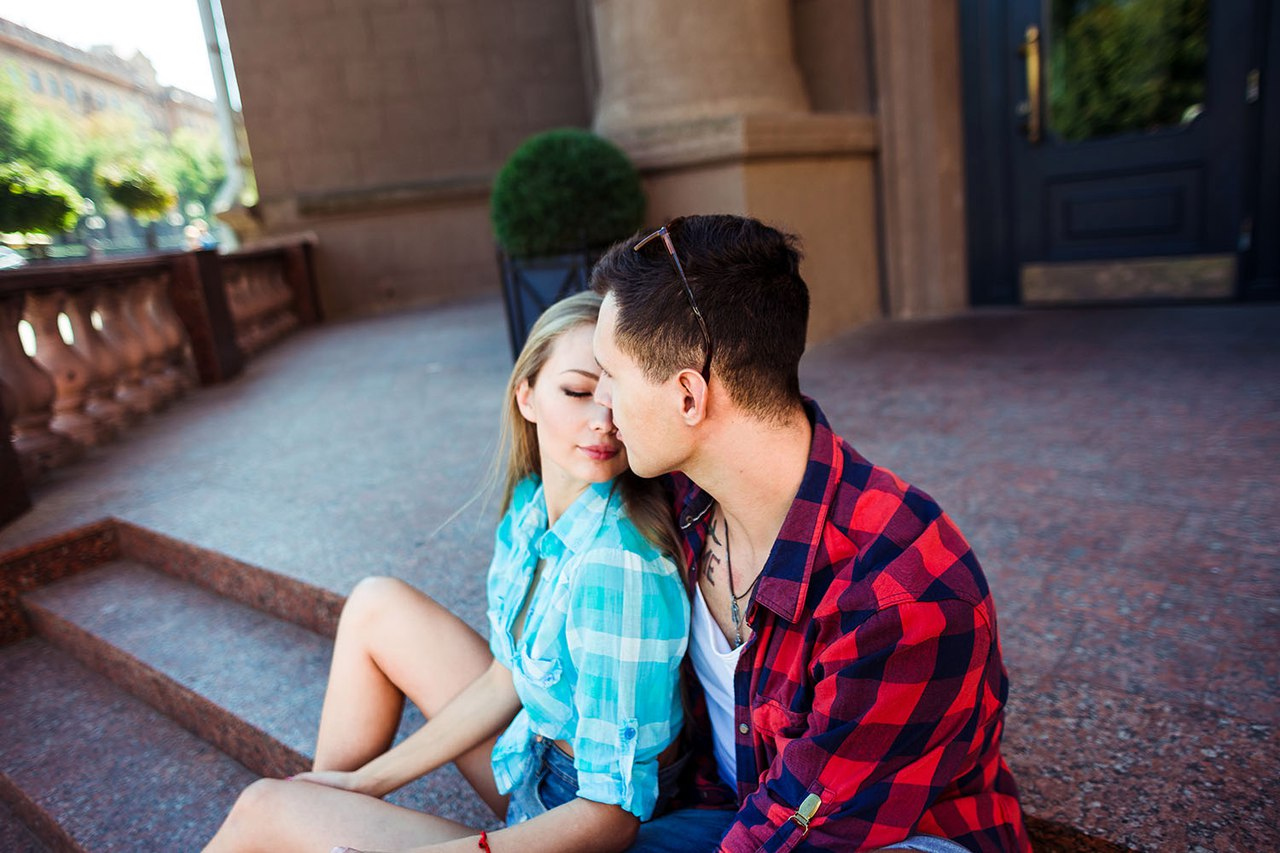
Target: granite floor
[1117, 471]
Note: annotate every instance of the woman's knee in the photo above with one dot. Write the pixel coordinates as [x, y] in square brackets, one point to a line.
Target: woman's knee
[258, 804]
[375, 596]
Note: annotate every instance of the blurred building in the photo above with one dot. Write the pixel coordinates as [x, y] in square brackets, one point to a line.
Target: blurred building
[95, 81]
[896, 136]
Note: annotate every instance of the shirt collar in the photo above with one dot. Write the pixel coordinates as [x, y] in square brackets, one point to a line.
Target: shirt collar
[573, 530]
[784, 581]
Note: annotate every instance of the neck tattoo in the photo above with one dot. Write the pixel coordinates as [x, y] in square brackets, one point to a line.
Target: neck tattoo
[735, 614]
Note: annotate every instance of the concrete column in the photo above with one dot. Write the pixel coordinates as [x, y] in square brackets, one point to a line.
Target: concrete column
[664, 61]
[707, 100]
[922, 155]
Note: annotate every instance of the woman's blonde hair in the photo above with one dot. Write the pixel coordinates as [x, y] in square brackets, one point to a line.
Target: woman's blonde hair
[646, 506]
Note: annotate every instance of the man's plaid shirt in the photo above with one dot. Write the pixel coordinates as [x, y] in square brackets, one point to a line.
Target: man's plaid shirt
[873, 678]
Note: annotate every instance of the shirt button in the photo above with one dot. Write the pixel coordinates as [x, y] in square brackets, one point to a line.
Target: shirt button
[744, 728]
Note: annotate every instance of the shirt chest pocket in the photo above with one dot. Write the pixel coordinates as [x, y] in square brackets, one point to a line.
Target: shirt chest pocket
[541, 686]
[538, 671]
[776, 722]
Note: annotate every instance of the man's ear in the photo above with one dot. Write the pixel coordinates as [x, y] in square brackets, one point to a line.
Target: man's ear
[524, 401]
[693, 396]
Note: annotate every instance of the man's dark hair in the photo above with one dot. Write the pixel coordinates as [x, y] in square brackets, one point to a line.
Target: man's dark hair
[745, 277]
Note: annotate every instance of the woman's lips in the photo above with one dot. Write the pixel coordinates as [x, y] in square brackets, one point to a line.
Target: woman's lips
[602, 452]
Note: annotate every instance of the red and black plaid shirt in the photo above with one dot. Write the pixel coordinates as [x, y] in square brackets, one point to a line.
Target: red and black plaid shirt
[873, 678]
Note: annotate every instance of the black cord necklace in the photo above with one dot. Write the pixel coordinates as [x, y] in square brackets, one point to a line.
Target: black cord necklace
[735, 614]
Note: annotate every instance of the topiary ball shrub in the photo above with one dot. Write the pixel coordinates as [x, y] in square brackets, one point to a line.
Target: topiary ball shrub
[138, 189]
[36, 201]
[562, 191]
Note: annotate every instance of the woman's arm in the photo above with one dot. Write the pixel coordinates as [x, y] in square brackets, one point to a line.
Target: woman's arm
[481, 710]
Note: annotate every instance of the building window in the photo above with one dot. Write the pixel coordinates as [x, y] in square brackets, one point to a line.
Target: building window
[69, 91]
[37, 84]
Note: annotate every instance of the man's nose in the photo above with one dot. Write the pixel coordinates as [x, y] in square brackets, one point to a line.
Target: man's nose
[601, 418]
[604, 392]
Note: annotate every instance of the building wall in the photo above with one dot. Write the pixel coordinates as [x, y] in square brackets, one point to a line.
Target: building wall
[379, 125]
[833, 49]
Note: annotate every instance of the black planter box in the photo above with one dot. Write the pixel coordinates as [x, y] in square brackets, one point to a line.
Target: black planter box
[531, 285]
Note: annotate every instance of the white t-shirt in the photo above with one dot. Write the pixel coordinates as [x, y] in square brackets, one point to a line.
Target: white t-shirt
[715, 662]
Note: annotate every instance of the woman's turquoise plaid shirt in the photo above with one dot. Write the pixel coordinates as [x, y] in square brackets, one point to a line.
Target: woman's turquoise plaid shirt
[598, 663]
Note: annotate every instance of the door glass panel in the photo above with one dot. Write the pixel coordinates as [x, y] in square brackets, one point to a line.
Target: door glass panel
[1125, 66]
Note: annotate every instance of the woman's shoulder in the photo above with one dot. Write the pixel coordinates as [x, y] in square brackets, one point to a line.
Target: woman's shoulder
[617, 531]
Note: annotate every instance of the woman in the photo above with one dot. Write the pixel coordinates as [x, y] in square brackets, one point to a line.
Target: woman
[585, 606]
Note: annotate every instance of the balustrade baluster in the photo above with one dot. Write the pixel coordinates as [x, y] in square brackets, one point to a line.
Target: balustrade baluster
[39, 448]
[177, 348]
[106, 369]
[283, 318]
[154, 378]
[68, 369]
[239, 284]
[8, 406]
[122, 336]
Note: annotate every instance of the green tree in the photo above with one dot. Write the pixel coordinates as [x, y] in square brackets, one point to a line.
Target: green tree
[100, 155]
[10, 135]
[195, 168]
[139, 189]
[1120, 66]
[34, 201]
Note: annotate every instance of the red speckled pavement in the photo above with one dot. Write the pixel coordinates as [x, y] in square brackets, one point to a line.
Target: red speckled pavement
[1117, 471]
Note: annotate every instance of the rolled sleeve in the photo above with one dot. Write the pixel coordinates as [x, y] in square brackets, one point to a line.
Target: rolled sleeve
[627, 628]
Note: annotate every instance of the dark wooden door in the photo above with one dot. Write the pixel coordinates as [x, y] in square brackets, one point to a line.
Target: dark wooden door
[1113, 147]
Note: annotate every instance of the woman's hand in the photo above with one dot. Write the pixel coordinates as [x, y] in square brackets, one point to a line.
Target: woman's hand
[344, 780]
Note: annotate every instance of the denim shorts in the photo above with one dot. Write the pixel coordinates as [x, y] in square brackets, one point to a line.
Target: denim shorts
[556, 783]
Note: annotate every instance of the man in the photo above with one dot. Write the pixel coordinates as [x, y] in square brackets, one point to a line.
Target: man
[849, 692]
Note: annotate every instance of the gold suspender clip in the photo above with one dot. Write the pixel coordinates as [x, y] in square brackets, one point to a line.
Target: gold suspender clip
[805, 813]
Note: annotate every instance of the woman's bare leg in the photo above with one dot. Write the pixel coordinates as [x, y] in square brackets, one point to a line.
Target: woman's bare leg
[395, 641]
[272, 815]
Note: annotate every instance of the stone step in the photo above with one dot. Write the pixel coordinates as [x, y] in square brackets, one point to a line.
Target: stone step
[90, 767]
[241, 679]
[15, 835]
[246, 681]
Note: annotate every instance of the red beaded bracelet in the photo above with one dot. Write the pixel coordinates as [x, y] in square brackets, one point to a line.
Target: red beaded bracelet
[484, 841]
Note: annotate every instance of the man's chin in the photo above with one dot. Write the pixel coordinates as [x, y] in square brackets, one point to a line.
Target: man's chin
[647, 470]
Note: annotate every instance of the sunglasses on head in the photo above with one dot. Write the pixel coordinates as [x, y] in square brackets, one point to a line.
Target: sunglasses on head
[665, 235]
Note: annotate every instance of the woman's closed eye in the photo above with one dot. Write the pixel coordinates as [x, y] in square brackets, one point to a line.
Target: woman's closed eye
[576, 394]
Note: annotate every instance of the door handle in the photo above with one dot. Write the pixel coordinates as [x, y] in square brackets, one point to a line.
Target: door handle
[1030, 53]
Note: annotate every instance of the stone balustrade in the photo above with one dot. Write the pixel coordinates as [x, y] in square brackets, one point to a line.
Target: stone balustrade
[117, 341]
[261, 302]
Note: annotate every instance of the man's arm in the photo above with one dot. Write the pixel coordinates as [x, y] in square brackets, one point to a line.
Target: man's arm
[894, 720]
